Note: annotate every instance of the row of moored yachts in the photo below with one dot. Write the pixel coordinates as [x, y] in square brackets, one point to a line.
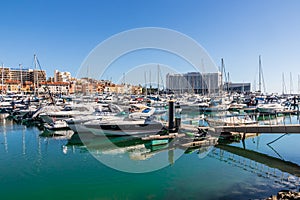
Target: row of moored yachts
[127, 115]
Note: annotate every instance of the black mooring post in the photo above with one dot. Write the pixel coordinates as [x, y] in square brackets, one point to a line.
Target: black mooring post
[177, 116]
[177, 122]
[171, 115]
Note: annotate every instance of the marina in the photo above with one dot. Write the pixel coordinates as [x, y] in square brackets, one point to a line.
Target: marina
[172, 140]
[108, 139]
[67, 163]
[149, 100]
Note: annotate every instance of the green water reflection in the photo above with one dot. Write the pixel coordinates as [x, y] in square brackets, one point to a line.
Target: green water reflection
[35, 167]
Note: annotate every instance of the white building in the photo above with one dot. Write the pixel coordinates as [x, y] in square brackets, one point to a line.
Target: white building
[62, 76]
[55, 87]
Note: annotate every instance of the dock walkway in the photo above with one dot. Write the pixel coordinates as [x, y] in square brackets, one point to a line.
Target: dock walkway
[282, 128]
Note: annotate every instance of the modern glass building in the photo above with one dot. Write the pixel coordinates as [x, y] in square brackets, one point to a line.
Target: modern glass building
[202, 83]
[194, 82]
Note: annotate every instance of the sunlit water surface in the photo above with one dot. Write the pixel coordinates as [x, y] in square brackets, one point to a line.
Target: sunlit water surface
[36, 167]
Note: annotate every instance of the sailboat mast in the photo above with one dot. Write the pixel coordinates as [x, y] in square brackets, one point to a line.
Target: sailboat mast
[228, 79]
[283, 84]
[150, 82]
[145, 83]
[223, 76]
[35, 74]
[161, 79]
[88, 83]
[124, 81]
[259, 74]
[125, 87]
[157, 79]
[2, 79]
[298, 84]
[21, 77]
[222, 69]
[291, 83]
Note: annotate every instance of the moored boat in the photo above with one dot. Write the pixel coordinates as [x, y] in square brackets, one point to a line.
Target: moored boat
[231, 121]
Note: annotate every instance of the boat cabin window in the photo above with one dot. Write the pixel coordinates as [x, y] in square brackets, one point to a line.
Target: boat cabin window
[146, 110]
[67, 108]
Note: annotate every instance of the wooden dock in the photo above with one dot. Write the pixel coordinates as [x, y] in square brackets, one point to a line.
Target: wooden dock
[160, 137]
[184, 141]
[288, 112]
[194, 128]
[282, 128]
[210, 141]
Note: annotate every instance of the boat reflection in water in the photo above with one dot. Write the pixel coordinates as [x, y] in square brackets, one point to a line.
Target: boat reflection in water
[129, 154]
[263, 173]
[133, 154]
[57, 134]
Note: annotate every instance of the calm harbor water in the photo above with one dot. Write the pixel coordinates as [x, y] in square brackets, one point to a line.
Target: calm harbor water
[32, 167]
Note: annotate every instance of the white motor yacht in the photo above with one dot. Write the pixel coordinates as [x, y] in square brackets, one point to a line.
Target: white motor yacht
[123, 127]
[231, 121]
[67, 112]
[271, 106]
[138, 122]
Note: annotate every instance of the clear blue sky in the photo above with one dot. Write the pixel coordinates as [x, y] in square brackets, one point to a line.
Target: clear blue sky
[62, 33]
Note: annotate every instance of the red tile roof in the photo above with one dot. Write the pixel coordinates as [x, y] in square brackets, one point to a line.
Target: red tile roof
[55, 83]
[12, 81]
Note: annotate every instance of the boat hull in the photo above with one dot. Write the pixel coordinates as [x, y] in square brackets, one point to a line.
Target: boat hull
[125, 129]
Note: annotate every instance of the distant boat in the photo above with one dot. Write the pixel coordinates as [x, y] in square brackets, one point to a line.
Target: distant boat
[5, 104]
[270, 106]
[57, 125]
[236, 106]
[67, 112]
[231, 121]
[75, 114]
[140, 111]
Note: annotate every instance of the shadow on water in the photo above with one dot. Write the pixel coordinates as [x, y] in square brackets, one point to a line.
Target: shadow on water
[147, 148]
[285, 166]
[103, 143]
[284, 173]
[262, 161]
